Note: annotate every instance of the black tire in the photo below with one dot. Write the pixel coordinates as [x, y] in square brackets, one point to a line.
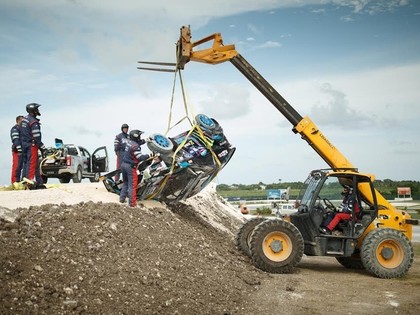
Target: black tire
[276, 246]
[243, 236]
[160, 144]
[65, 180]
[95, 178]
[206, 122]
[387, 253]
[353, 262]
[44, 179]
[77, 178]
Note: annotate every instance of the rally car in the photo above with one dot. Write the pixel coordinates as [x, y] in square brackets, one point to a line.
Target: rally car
[182, 165]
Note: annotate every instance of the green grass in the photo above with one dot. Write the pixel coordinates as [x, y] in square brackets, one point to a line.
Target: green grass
[416, 247]
[244, 194]
[415, 215]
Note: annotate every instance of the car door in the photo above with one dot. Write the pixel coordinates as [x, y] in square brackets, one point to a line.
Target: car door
[100, 160]
[85, 155]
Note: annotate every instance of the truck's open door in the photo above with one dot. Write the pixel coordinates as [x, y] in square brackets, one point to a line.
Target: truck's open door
[100, 160]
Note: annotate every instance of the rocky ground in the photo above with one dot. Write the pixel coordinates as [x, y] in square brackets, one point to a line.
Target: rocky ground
[101, 257]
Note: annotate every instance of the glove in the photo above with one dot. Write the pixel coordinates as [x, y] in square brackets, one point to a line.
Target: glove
[343, 208]
[19, 149]
[43, 150]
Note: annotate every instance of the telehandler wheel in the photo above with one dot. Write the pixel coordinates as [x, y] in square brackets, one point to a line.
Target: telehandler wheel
[353, 262]
[387, 253]
[276, 246]
[243, 236]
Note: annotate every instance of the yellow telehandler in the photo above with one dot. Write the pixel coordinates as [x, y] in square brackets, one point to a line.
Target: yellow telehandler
[376, 238]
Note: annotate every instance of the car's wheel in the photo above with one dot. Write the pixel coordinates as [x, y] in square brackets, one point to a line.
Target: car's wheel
[243, 236]
[95, 178]
[352, 262]
[44, 179]
[160, 144]
[211, 127]
[206, 122]
[65, 180]
[276, 246]
[77, 178]
[387, 253]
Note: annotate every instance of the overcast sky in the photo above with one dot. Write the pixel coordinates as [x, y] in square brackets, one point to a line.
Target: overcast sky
[351, 66]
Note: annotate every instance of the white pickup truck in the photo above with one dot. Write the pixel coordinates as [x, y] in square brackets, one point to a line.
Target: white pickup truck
[70, 161]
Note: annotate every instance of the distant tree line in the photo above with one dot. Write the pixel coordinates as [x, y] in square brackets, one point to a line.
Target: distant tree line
[387, 187]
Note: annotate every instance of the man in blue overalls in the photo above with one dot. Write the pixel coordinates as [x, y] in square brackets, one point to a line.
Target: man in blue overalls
[119, 146]
[17, 157]
[31, 143]
[131, 157]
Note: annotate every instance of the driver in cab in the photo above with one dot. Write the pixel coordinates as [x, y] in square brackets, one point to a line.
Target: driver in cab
[343, 213]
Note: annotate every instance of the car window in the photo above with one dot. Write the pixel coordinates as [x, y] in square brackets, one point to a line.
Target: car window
[71, 150]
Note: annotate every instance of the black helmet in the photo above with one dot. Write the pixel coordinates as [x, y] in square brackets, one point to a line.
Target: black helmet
[124, 126]
[32, 108]
[135, 135]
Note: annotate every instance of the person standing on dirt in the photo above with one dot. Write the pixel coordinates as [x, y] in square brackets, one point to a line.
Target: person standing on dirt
[31, 143]
[17, 157]
[344, 211]
[119, 146]
[131, 157]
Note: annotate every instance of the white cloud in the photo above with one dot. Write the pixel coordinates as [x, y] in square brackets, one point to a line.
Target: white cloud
[371, 6]
[253, 28]
[336, 110]
[347, 18]
[268, 44]
[225, 101]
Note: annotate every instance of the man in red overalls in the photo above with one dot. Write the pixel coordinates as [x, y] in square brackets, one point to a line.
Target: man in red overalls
[131, 157]
[17, 157]
[344, 211]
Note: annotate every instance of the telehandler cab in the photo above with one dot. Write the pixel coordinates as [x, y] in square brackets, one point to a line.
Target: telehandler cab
[377, 238]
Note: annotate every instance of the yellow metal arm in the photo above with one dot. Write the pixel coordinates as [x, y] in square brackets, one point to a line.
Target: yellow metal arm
[218, 53]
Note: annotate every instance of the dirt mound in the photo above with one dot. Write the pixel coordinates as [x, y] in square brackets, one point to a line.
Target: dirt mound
[107, 258]
[93, 257]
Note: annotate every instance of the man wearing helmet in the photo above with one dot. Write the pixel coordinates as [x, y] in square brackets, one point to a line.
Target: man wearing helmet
[31, 143]
[131, 157]
[344, 211]
[119, 146]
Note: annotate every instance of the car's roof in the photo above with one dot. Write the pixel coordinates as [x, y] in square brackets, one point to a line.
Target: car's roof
[74, 145]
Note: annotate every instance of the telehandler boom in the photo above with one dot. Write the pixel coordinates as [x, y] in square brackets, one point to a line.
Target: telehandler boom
[377, 239]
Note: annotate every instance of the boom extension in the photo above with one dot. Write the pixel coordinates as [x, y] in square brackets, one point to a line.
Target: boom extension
[219, 53]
